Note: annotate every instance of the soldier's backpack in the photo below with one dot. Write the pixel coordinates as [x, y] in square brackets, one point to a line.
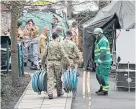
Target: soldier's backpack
[69, 80]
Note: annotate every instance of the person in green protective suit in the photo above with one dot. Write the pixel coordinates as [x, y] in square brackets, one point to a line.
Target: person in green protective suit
[103, 61]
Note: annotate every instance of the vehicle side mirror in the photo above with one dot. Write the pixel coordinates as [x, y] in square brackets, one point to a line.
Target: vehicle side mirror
[118, 59]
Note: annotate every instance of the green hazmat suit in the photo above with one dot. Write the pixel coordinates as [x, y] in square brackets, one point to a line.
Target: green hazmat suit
[103, 60]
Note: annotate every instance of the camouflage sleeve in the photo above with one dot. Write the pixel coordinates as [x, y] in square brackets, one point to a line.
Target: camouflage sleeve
[44, 56]
[76, 51]
[64, 55]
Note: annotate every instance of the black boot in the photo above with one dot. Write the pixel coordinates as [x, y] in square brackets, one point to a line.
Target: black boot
[103, 93]
[34, 67]
[60, 94]
[39, 93]
[78, 74]
[50, 96]
[106, 93]
[99, 90]
[29, 60]
[25, 64]
[32, 63]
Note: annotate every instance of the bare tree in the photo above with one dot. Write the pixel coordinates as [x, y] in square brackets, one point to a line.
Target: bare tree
[14, 50]
[102, 3]
[15, 8]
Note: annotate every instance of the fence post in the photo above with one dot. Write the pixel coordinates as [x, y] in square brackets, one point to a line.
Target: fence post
[22, 59]
[19, 61]
[7, 47]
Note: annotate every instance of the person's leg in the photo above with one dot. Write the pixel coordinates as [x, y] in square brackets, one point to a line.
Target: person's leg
[29, 47]
[35, 56]
[50, 82]
[30, 53]
[98, 79]
[64, 67]
[25, 55]
[58, 72]
[106, 77]
[76, 69]
[105, 71]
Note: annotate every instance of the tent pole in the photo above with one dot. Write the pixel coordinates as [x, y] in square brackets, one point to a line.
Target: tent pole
[113, 35]
[114, 44]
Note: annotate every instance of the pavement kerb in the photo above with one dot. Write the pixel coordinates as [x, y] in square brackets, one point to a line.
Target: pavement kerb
[69, 101]
[22, 96]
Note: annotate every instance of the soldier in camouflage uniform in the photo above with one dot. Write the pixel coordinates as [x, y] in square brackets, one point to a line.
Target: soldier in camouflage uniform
[70, 49]
[54, 53]
[42, 43]
[75, 33]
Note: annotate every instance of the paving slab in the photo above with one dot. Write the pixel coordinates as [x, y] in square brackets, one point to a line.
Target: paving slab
[31, 100]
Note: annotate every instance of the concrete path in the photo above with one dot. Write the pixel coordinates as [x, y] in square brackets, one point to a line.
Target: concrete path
[31, 100]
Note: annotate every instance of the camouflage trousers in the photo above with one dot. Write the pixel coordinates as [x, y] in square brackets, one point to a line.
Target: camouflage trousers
[54, 68]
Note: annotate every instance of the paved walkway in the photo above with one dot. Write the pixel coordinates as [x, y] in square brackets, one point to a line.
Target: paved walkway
[31, 100]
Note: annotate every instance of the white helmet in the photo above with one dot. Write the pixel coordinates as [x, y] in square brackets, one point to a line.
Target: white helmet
[98, 30]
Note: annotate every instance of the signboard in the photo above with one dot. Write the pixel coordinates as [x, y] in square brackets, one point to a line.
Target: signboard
[125, 45]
